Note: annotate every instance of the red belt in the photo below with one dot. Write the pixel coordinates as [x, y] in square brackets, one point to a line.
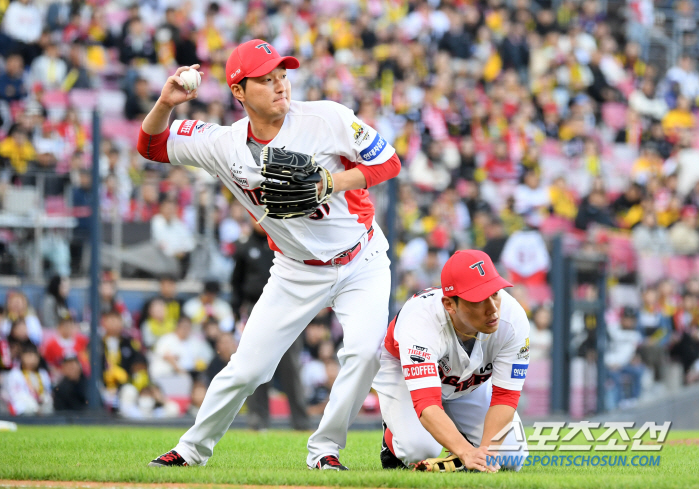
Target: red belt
[345, 257]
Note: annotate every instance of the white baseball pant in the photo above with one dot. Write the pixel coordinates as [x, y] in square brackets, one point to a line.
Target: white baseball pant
[358, 293]
[411, 441]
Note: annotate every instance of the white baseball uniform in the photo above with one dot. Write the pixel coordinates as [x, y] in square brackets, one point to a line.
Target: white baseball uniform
[358, 291]
[422, 351]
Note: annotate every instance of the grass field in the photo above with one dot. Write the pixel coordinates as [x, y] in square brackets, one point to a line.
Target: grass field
[120, 454]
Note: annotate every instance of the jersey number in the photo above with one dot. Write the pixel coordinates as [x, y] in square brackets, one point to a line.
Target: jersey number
[320, 212]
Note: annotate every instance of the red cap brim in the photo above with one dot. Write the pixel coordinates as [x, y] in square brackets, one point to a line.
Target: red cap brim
[290, 63]
[483, 291]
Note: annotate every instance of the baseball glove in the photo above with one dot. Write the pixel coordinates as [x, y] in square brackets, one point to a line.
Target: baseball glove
[452, 463]
[290, 187]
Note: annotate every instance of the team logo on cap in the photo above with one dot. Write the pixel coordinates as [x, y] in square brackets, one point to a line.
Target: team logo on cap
[264, 46]
[478, 265]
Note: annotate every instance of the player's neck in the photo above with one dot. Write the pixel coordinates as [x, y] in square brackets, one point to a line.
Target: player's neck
[463, 332]
[263, 129]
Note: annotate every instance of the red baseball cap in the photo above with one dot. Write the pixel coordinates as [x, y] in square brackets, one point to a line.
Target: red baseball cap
[255, 58]
[471, 275]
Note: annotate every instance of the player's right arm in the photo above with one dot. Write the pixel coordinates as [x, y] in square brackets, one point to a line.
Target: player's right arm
[171, 95]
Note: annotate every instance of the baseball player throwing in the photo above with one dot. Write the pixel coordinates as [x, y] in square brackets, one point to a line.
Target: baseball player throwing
[283, 162]
[452, 368]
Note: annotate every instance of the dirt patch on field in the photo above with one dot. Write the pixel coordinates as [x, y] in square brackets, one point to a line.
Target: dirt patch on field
[136, 485]
[687, 441]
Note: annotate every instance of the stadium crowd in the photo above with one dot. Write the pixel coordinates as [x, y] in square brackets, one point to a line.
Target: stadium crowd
[514, 121]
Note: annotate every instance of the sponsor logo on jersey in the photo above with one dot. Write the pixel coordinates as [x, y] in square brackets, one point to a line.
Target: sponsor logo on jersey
[519, 370]
[361, 132]
[483, 370]
[201, 128]
[419, 371]
[374, 149]
[418, 354]
[524, 351]
[444, 365]
[243, 182]
[186, 128]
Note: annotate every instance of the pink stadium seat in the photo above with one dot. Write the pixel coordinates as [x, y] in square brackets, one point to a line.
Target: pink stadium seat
[83, 99]
[554, 224]
[614, 114]
[183, 402]
[651, 268]
[112, 102]
[120, 129]
[55, 99]
[279, 406]
[679, 268]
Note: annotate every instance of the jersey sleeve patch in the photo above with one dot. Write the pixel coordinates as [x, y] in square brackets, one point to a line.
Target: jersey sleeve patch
[187, 128]
[374, 149]
[419, 371]
[519, 370]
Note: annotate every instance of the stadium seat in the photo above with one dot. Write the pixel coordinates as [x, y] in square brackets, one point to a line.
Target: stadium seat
[679, 268]
[112, 102]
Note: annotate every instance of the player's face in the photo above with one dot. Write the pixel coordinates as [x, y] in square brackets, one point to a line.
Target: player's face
[476, 317]
[268, 96]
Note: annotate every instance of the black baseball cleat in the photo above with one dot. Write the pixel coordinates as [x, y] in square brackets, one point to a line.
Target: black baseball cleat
[329, 462]
[388, 460]
[170, 459]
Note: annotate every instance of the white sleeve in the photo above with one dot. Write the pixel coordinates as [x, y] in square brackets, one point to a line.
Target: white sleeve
[354, 139]
[420, 346]
[191, 143]
[512, 361]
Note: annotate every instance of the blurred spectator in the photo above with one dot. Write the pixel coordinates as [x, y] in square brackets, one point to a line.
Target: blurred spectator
[253, 260]
[180, 352]
[17, 308]
[594, 209]
[120, 353]
[531, 198]
[156, 323]
[168, 294]
[150, 402]
[649, 238]
[171, 235]
[655, 329]
[13, 85]
[18, 150]
[67, 342]
[684, 344]
[140, 102]
[71, 392]
[209, 304]
[623, 364]
[54, 305]
[318, 376]
[684, 77]
[644, 101]
[540, 337]
[49, 70]
[110, 301]
[225, 347]
[526, 258]
[28, 387]
[78, 76]
[22, 23]
[683, 235]
[137, 46]
[627, 207]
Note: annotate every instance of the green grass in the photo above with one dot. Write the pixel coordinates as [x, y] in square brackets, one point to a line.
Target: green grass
[120, 454]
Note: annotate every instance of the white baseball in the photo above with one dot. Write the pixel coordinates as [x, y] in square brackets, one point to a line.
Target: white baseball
[191, 79]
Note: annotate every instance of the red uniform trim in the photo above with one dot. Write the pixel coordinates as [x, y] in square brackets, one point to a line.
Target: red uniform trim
[358, 202]
[153, 146]
[388, 436]
[251, 135]
[504, 397]
[423, 398]
[390, 341]
[376, 174]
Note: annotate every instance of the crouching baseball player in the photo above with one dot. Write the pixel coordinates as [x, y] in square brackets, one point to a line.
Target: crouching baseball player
[452, 367]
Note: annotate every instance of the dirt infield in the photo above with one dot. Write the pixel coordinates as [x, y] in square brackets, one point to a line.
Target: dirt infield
[136, 485]
[687, 441]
